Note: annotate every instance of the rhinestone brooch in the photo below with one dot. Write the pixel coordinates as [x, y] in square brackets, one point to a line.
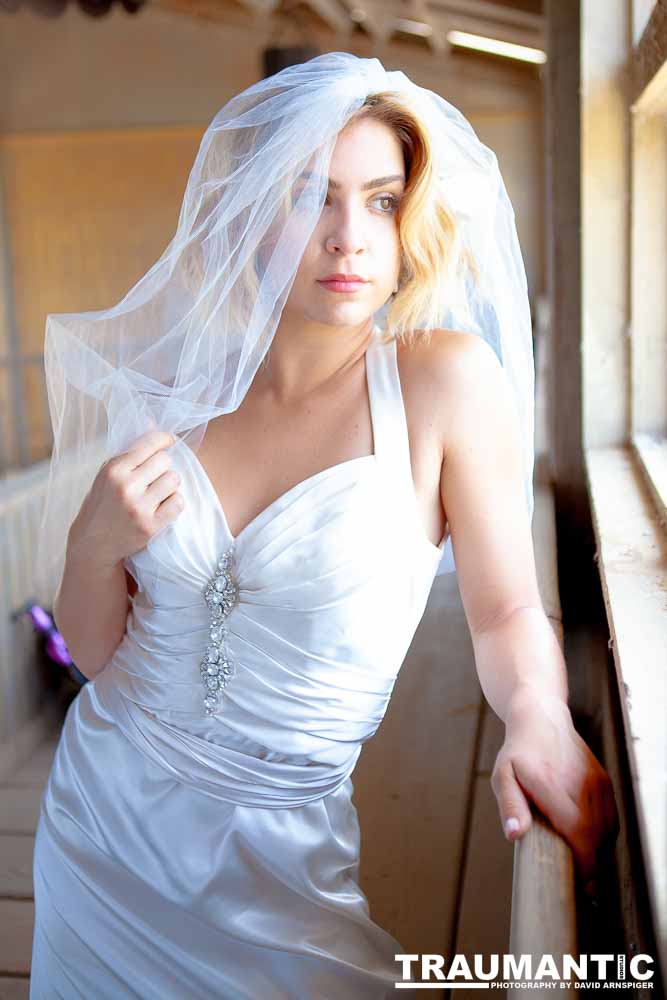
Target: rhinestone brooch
[221, 594]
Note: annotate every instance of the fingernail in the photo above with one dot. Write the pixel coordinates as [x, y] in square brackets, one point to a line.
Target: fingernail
[511, 825]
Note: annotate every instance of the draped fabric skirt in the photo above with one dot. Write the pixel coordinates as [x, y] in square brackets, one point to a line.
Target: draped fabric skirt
[149, 887]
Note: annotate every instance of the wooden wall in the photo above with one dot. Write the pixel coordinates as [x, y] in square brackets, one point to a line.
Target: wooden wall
[87, 212]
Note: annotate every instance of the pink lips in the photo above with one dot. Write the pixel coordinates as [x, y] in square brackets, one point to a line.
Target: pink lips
[343, 282]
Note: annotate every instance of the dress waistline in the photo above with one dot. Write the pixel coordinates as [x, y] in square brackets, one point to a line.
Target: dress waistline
[222, 772]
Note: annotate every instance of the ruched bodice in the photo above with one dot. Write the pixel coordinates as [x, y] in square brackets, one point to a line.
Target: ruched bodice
[328, 585]
[332, 580]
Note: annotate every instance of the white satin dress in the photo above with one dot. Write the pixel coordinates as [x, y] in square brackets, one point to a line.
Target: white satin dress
[181, 855]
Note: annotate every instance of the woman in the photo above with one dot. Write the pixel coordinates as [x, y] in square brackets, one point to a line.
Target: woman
[197, 835]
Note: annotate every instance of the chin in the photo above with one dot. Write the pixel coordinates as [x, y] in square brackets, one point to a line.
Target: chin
[336, 314]
[345, 313]
[357, 318]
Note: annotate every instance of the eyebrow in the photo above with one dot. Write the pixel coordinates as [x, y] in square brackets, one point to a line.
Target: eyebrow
[368, 186]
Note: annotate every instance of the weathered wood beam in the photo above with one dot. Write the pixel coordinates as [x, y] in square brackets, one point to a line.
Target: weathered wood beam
[418, 11]
[381, 19]
[261, 7]
[331, 14]
[495, 12]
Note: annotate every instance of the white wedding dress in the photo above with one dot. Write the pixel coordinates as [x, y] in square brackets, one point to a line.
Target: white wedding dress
[182, 855]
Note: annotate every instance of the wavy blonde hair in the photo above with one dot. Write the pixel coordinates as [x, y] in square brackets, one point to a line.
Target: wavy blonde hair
[433, 255]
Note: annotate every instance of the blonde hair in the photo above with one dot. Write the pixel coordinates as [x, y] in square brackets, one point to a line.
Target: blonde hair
[433, 256]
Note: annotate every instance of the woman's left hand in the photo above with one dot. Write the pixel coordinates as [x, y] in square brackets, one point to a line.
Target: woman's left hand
[544, 759]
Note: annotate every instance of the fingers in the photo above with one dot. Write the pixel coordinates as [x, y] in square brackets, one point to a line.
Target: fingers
[146, 445]
[599, 823]
[153, 478]
[164, 488]
[172, 506]
[538, 787]
[575, 822]
[149, 473]
[516, 787]
[515, 815]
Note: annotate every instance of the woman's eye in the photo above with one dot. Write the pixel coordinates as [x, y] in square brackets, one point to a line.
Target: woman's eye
[392, 199]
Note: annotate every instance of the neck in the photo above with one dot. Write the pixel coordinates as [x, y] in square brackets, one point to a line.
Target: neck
[302, 359]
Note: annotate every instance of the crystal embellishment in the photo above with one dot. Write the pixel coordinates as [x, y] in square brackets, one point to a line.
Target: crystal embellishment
[217, 669]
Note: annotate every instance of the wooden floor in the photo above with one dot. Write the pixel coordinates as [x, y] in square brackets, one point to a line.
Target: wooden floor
[19, 807]
[435, 865]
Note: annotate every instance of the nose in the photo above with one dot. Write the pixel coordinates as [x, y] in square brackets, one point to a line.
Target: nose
[346, 234]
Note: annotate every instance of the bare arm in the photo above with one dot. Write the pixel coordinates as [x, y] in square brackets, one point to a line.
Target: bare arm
[132, 497]
[90, 610]
[518, 659]
[503, 667]
[482, 492]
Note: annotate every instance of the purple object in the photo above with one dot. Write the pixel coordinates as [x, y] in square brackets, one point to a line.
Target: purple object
[41, 619]
[56, 647]
[57, 650]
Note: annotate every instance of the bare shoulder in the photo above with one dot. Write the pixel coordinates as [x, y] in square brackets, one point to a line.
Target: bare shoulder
[446, 374]
[437, 355]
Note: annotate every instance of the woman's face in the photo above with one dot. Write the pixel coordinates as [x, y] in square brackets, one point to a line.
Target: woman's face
[357, 231]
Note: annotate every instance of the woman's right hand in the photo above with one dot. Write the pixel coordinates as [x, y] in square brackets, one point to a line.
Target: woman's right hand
[133, 496]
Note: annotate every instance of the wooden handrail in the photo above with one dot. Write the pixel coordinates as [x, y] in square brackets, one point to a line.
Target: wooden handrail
[543, 917]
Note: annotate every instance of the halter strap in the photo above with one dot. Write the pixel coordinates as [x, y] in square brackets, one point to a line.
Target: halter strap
[390, 426]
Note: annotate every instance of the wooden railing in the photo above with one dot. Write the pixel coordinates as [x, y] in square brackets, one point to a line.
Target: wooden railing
[543, 918]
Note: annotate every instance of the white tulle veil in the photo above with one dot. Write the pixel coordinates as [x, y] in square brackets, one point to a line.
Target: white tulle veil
[182, 347]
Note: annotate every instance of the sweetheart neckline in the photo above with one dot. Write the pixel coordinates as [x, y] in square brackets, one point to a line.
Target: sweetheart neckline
[316, 476]
[339, 466]
[438, 548]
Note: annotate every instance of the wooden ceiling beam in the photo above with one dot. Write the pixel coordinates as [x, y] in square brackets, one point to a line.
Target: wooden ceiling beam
[418, 11]
[380, 17]
[488, 11]
[382, 20]
[259, 7]
[332, 14]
